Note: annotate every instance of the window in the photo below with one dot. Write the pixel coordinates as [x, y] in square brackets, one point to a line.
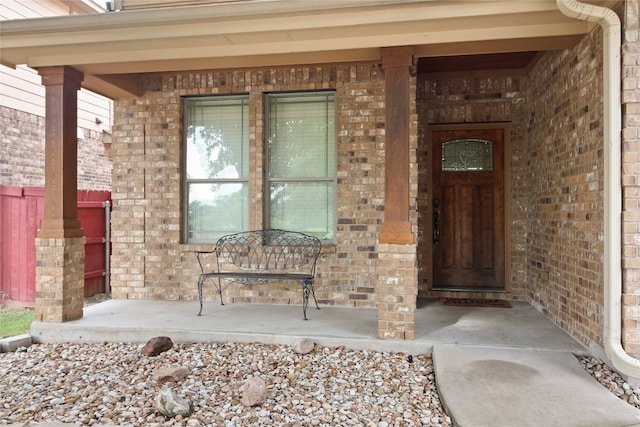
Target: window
[467, 155]
[301, 163]
[216, 167]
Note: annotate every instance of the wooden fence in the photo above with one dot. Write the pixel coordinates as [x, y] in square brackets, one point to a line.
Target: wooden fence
[21, 210]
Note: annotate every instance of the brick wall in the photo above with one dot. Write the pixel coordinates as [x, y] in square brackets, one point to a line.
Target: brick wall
[21, 149]
[22, 153]
[480, 98]
[94, 161]
[565, 182]
[149, 260]
[630, 176]
[555, 112]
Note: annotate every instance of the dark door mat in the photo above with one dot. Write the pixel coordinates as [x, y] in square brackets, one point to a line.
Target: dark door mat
[472, 302]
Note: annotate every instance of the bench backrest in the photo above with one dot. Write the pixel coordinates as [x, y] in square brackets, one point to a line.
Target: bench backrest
[269, 250]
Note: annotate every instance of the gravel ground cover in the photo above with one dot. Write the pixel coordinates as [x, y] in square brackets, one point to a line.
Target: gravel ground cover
[611, 380]
[113, 384]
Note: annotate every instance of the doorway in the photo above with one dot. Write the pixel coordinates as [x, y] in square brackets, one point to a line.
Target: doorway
[467, 208]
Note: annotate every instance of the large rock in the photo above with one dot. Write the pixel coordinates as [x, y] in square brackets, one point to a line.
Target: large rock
[169, 404]
[170, 374]
[303, 346]
[157, 345]
[254, 392]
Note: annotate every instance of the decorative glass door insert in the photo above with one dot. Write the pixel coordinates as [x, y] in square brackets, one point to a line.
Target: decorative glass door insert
[467, 155]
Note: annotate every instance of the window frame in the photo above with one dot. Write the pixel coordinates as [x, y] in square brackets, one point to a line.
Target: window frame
[267, 180]
[186, 181]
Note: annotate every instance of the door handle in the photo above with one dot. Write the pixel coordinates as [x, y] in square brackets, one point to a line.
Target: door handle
[436, 218]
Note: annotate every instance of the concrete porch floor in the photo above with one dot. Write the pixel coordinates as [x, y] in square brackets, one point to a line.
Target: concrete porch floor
[136, 321]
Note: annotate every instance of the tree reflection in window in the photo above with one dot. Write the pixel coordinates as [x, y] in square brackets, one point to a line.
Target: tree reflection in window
[216, 170]
[467, 155]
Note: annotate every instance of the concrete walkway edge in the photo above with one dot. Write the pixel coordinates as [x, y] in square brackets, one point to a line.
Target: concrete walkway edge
[501, 387]
[13, 343]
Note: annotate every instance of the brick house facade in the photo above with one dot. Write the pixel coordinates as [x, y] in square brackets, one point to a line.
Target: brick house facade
[147, 164]
[22, 153]
[553, 116]
[543, 195]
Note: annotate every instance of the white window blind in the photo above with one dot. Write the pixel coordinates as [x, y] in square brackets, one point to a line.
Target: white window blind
[216, 166]
[301, 163]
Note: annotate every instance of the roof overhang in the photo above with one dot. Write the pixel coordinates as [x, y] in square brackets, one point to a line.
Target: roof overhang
[111, 49]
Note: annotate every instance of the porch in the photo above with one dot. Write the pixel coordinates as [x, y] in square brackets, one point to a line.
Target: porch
[520, 327]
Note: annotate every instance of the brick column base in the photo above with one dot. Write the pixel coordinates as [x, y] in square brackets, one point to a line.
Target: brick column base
[397, 290]
[59, 279]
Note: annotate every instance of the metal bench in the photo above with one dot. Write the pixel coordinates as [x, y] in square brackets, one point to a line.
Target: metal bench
[256, 257]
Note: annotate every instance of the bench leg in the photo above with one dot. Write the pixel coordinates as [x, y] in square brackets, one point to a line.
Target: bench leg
[307, 288]
[201, 280]
[220, 290]
[200, 283]
[314, 296]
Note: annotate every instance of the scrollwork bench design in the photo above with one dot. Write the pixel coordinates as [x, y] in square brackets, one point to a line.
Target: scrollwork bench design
[256, 257]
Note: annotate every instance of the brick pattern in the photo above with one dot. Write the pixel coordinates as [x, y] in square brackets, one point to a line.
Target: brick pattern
[22, 153]
[565, 201]
[59, 279]
[467, 99]
[94, 161]
[630, 177]
[21, 149]
[149, 260]
[397, 291]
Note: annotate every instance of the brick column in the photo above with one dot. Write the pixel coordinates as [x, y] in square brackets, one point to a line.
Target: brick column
[60, 239]
[397, 274]
[397, 290]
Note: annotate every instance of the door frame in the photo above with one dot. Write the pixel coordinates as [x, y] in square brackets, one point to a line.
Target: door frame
[428, 232]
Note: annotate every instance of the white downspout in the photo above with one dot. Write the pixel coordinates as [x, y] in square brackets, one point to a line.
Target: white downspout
[610, 23]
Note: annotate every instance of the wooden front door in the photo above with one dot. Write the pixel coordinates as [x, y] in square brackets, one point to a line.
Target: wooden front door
[468, 209]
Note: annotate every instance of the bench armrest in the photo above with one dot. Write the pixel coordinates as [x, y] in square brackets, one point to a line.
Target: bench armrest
[199, 253]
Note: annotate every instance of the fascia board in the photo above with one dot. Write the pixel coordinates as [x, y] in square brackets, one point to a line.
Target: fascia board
[202, 20]
[352, 28]
[273, 43]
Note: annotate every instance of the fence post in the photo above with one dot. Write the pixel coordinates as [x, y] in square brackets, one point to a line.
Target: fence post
[107, 245]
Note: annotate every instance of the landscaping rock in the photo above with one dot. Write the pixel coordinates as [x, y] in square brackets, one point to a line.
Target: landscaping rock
[303, 346]
[157, 345]
[169, 404]
[254, 392]
[170, 374]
